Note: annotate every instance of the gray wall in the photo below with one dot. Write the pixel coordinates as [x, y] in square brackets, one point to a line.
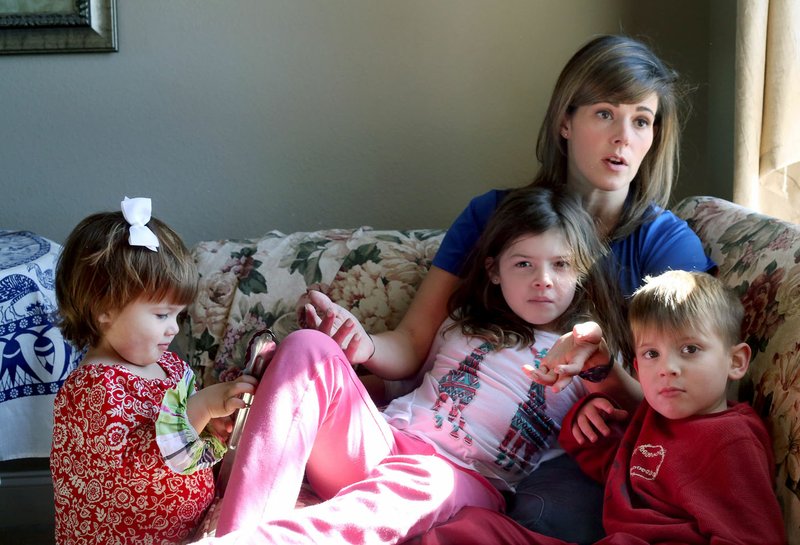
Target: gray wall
[241, 117]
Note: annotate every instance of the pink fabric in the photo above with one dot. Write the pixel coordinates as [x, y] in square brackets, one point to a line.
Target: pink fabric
[311, 414]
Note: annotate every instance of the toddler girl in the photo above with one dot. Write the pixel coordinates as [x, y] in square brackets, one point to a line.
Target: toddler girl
[121, 281]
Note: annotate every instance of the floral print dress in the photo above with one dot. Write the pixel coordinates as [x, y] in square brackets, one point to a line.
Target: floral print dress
[112, 484]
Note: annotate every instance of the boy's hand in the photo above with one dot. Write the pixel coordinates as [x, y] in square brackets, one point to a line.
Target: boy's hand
[593, 417]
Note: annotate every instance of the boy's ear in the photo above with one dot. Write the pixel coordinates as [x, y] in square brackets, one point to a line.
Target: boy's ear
[740, 361]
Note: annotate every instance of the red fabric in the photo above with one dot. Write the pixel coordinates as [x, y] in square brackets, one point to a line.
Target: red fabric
[476, 526]
[111, 483]
[596, 458]
[703, 479]
[700, 480]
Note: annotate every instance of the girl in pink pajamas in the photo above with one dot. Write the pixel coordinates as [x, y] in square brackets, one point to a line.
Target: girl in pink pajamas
[475, 425]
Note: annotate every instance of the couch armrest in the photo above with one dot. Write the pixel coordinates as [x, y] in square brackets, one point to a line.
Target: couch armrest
[759, 257]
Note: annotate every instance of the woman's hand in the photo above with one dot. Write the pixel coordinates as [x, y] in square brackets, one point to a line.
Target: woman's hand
[317, 311]
[577, 351]
[593, 419]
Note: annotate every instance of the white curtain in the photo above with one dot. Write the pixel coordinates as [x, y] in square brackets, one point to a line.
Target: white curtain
[767, 123]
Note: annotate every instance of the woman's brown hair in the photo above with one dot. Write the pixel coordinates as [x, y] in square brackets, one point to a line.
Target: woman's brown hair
[618, 70]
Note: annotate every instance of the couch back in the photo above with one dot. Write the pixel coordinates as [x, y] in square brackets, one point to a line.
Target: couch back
[759, 258]
[249, 284]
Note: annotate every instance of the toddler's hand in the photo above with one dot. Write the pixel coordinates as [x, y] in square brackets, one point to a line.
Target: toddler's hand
[593, 418]
[221, 427]
[218, 400]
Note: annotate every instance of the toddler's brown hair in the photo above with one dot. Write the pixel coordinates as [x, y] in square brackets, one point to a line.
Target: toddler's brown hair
[100, 271]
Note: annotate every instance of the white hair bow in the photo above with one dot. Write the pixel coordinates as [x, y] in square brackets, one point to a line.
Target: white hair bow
[137, 214]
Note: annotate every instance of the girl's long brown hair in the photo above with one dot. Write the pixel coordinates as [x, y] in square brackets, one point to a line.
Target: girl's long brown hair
[478, 307]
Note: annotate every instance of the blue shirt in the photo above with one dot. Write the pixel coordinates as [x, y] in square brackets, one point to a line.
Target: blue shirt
[662, 243]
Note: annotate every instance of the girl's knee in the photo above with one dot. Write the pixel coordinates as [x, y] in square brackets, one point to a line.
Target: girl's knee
[311, 342]
[307, 348]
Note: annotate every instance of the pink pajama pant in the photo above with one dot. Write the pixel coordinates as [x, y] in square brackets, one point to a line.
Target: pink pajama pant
[311, 415]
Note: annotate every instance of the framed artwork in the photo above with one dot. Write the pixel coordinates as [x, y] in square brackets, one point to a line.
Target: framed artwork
[57, 26]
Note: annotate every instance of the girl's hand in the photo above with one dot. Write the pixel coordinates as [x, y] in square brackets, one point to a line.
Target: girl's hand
[593, 417]
[576, 351]
[320, 313]
[218, 400]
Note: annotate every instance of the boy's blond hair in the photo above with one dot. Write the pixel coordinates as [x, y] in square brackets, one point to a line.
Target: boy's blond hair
[99, 271]
[681, 300]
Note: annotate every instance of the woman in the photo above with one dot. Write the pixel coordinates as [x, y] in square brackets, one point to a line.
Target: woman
[610, 135]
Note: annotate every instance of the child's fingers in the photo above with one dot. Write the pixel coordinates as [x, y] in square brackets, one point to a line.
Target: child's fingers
[233, 404]
[245, 384]
[310, 318]
[590, 420]
[587, 333]
[618, 415]
[546, 378]
[582, 430]
[596, 421]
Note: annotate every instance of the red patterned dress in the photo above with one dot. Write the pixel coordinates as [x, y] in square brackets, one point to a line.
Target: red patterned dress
[111, 483]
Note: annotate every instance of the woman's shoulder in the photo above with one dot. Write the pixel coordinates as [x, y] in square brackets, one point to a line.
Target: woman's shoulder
[661, 225]
[484, 205]
[656, 216]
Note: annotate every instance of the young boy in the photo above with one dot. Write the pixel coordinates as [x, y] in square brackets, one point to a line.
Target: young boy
[689, 467]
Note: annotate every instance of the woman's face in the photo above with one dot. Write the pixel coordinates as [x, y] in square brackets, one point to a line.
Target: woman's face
[606, 143]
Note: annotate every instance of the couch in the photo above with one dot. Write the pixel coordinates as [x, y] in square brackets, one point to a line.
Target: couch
[255, 283]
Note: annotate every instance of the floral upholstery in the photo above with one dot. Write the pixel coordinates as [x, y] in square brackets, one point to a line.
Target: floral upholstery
[759, 257]
[252, 283]
[246, 285]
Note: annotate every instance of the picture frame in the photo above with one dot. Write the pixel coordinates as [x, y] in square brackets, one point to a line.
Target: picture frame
[58, 26]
